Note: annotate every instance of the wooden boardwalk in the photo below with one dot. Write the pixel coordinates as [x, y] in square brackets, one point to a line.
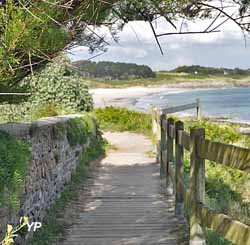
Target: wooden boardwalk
[125, 201]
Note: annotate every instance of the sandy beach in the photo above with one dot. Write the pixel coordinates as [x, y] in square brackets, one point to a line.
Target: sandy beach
[126, 97]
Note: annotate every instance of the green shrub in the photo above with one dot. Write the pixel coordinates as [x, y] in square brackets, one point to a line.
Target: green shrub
[60, 129]
[59, 89]
[55, 90]
[15, 112]
[227, 189]
[216, 132]
[121, 119]
[14, 157]
[79, 129]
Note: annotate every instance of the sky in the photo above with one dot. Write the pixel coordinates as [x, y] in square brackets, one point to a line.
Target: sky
[137, 45]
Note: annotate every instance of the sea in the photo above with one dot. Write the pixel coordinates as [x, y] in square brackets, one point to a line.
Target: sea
[228, 103]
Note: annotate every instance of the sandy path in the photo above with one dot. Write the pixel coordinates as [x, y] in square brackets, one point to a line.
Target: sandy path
[125, 201]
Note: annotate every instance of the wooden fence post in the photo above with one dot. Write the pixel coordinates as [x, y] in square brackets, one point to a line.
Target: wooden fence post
[163, 146]
[198, 109]
[179, 169]
[154, 123]
[158, 135]
[155, 127]
[170, 155]
[196, 188]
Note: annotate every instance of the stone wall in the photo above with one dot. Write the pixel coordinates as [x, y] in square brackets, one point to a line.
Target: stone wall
[52, 164]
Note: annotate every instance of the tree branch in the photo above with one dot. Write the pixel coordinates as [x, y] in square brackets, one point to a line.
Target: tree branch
[186, 33]
[156, 37]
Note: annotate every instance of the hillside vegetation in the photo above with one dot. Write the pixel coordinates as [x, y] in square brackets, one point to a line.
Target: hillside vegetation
[110, 74]
[174, 79]
[112, 70]
[211, 70]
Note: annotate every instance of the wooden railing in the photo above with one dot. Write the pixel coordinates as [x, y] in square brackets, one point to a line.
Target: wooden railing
[158, 116]
[172, 144]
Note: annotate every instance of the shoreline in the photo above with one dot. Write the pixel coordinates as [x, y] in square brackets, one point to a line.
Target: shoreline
[127, 97]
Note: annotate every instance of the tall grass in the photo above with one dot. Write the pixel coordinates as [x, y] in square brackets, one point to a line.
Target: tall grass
[121, 119]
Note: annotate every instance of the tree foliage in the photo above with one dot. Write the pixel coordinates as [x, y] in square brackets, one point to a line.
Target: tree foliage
[212, 70]
[33, 32]
[113, 70]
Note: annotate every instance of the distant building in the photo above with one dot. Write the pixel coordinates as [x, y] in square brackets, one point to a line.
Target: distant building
[225, 73]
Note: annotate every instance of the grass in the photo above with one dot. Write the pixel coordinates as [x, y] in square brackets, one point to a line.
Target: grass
[14, 157]
[121, 119]
[53, 224]
[215, 239]
[169, 78]
[78, 129]
[227, 190]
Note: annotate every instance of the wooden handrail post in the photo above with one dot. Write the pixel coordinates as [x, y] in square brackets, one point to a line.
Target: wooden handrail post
[158, 135]
[154, 123]
[198, 109]
[179, 169]
[163, 146]
[196, 188]
[155, 130]
[170, 155]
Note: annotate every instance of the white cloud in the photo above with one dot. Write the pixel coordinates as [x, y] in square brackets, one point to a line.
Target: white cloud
[118, 52]
[137, 44]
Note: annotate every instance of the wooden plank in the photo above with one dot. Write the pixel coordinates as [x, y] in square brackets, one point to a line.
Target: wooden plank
[172, 131]
[179, 170]
[228, 155]
[222, 224]
[179, 108]
[184, 139]
[196, 187]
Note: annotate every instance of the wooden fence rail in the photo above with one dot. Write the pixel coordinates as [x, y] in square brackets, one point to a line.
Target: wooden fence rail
[159, 124]
[173, 141]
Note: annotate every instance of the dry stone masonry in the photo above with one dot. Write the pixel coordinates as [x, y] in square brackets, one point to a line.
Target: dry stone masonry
[53, 161]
